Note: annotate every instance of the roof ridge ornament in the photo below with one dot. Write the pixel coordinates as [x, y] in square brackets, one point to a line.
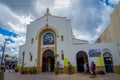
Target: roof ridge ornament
[47, 12]
[46, 25]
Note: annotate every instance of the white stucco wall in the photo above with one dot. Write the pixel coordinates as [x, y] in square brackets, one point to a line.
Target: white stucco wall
[69, 46]
[63, 28]
[86, 47]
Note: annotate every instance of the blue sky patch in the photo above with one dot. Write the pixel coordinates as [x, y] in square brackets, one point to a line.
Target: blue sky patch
[8, 33]
[107, 2]
[10, 40]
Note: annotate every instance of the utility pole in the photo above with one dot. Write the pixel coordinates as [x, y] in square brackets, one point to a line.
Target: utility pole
[3, 66]
[3, 48]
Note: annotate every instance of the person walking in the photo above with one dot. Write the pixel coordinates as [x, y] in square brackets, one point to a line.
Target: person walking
[10, 66]
[92, 68]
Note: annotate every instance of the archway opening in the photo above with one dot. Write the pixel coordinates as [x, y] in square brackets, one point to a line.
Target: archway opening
[81, 58]
[109, 67]
[48, 61]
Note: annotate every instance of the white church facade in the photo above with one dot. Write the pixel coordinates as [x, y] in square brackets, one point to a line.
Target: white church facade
[51, 35]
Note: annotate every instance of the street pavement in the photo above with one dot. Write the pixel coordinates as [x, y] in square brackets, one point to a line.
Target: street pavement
[52, 76]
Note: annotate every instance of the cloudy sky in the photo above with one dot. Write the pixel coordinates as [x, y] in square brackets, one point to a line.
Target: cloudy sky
[89, 18]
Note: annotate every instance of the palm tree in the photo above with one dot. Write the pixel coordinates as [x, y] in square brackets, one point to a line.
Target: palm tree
[56, 55]
[56, 63]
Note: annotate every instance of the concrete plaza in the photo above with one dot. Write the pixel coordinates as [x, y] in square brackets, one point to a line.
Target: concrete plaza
[52, 76]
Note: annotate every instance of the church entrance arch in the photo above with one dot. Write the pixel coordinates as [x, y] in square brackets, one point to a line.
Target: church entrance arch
[48, 61]
[109, 67]
[81, 58]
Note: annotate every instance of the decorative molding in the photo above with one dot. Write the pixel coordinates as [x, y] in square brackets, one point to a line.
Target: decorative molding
[40, 47]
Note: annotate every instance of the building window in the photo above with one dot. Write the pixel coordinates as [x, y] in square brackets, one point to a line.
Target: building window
[62, 38]
[32, 41]
[62, 55]
[30, 56]
[23, 53]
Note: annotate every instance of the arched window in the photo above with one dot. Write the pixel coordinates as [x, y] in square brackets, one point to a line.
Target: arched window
[48, 38]
[32, 41]
[107, 54]
[62, 38]
[30, 56]
[62, 55]
[23, 53]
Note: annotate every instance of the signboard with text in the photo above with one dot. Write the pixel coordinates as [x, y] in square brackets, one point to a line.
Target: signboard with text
[61, 64]
[95, 53]
[100, 61]
[66, 61]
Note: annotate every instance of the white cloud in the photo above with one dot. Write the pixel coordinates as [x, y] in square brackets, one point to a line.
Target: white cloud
[88, 18]
[106, 20]
[12, 21]
[12, 48]
[80, 35]
[62, 3]
[1, 40]
[15, 23]
[114, 1]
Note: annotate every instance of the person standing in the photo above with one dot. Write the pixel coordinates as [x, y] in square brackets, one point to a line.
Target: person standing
[10, 64]
[85, 68]
[3, 67]
[69, 68]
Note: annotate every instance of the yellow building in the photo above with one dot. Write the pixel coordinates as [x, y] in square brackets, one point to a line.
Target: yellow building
[111, 34]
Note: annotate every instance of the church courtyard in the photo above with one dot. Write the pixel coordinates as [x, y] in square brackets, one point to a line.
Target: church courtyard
[52, 76]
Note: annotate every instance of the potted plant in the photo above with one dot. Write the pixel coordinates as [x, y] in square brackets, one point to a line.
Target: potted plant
[34, 70]
[30, 70]
[70, 68]
[16, 70]
[1, 75]
[24, 71]
[57, 68]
